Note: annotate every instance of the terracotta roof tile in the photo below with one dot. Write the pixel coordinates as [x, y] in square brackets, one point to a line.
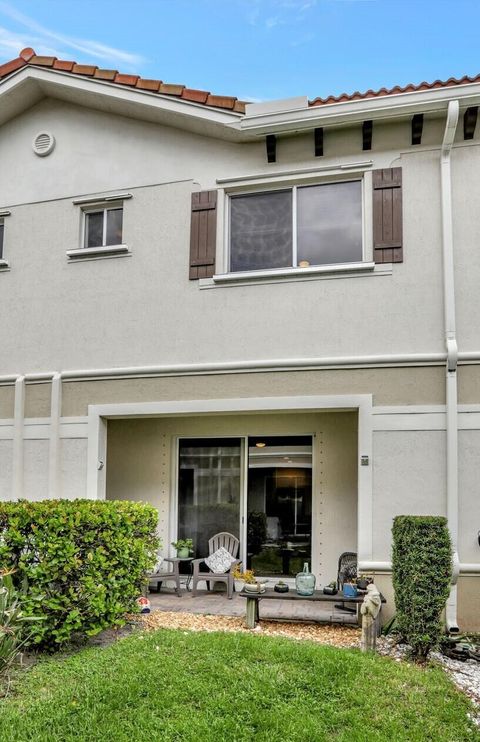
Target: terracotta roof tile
[126, 79]
[152, 85]
[221, 101]
[170, 89]
[105, 74]
[42, 61]
[410, 88]
[84, 69]
[28, 56]
[198, 96]
[8, 67]
[27, 53]
[62, 64]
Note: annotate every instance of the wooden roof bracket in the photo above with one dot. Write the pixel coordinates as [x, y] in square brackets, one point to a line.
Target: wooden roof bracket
[417, 128]
[271, 146]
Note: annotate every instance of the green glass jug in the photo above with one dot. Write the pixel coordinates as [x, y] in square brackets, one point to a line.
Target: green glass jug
[305, 581]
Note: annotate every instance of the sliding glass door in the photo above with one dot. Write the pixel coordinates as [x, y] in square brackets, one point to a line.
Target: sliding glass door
[258, 488]
[209, 489]
[279, 510]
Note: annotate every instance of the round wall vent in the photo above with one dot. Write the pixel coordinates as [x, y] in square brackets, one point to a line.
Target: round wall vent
[43, 143]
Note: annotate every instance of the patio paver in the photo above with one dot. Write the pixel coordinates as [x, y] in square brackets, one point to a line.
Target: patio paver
[216, 603]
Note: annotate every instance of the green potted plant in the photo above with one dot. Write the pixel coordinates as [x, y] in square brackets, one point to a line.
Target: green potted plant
[184, 547]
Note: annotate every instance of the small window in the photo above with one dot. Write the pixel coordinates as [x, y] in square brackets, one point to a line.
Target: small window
[297, 227]
[2, 232]
[103, 227]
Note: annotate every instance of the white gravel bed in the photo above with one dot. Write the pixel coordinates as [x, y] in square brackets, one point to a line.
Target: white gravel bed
[465, 675]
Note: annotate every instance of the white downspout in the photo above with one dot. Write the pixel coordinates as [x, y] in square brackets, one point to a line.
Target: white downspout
[452, 355]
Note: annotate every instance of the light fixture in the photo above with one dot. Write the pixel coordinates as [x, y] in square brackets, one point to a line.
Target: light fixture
[260, 444]
[304, 264]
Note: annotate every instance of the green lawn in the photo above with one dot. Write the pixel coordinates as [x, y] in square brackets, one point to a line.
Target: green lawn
[171, 686]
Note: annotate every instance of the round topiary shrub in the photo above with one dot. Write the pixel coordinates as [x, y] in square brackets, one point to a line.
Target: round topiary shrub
[422, 573]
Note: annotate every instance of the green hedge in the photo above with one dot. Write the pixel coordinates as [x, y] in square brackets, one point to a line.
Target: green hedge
[422, 572]
[84, 562]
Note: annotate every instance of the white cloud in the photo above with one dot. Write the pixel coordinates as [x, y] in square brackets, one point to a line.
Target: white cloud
[63, 44]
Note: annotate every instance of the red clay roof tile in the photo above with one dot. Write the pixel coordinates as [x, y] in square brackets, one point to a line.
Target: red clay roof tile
[43, 61]
[84, 69]
[126, 79]
[152, 85]
[8, 67]
[198, 96]
[28, 56]
[410, 88]
[27, 53]
[105, 74]
[171, 89]
[62, 64]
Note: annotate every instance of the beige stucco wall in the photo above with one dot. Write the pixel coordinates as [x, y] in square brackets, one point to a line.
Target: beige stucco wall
[143, 310]
[38, 400]
[7, 398]
[141, 466]
[468, 600]
[389, 386]
[469, 384]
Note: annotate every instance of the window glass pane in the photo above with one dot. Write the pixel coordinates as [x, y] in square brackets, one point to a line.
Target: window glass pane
[261, 231]
[114, 226]
[329, 223]
[208, 490]
[1, 239]
[94, 229]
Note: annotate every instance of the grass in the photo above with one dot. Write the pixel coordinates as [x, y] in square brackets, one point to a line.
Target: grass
[173, 686]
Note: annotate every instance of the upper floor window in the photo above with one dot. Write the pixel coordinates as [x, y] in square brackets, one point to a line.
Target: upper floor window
[295, 227]
[103, 227]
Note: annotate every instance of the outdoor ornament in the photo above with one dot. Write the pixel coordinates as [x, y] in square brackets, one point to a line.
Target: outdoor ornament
[371, 602]
[144, 604]
[370, 609]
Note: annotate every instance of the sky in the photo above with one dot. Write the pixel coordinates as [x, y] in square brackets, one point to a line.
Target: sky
[255, 49]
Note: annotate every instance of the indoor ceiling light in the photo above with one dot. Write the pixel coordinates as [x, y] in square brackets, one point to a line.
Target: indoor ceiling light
[260, 444]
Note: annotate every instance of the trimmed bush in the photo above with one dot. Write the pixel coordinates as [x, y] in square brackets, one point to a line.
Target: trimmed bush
[84, 562]
[422, 572]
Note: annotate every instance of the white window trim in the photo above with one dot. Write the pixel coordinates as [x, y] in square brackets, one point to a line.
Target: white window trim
[292, 272]
[91, 205]
[4, 264]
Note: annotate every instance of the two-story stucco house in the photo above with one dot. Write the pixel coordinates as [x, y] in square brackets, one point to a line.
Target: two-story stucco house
[260, 318]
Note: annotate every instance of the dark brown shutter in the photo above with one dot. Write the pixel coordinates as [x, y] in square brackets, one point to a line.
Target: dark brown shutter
[387, 215]
[203, 234]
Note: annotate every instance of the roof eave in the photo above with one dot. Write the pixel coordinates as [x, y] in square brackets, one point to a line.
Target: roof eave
[401, 105]
[86, 91]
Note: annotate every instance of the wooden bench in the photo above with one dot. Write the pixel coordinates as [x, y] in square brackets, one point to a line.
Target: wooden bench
[253, 601]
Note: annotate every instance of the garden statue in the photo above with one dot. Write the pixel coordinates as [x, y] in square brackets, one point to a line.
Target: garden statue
[370, 609]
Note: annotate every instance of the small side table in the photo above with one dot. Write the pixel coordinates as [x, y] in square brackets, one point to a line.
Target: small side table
[176, 561]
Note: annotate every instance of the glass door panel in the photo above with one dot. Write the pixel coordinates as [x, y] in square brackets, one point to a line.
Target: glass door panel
[279, 518]
[209, 484]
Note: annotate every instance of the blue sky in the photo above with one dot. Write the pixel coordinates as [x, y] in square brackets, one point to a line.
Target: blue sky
[255, 49]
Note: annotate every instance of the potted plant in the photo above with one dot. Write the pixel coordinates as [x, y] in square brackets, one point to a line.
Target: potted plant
[363, 581]
[350, 589]
[184, 547]
[250, 582]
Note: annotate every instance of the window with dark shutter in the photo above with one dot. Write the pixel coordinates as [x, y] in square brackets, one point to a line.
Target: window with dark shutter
[203, 234]
[387, 215]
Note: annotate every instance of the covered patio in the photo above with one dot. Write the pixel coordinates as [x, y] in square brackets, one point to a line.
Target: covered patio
[214, 603]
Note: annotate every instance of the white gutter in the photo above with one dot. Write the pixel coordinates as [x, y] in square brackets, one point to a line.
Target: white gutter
[232, 367]
[452, 355]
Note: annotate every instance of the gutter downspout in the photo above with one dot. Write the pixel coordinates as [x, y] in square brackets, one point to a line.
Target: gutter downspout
[452, 356]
